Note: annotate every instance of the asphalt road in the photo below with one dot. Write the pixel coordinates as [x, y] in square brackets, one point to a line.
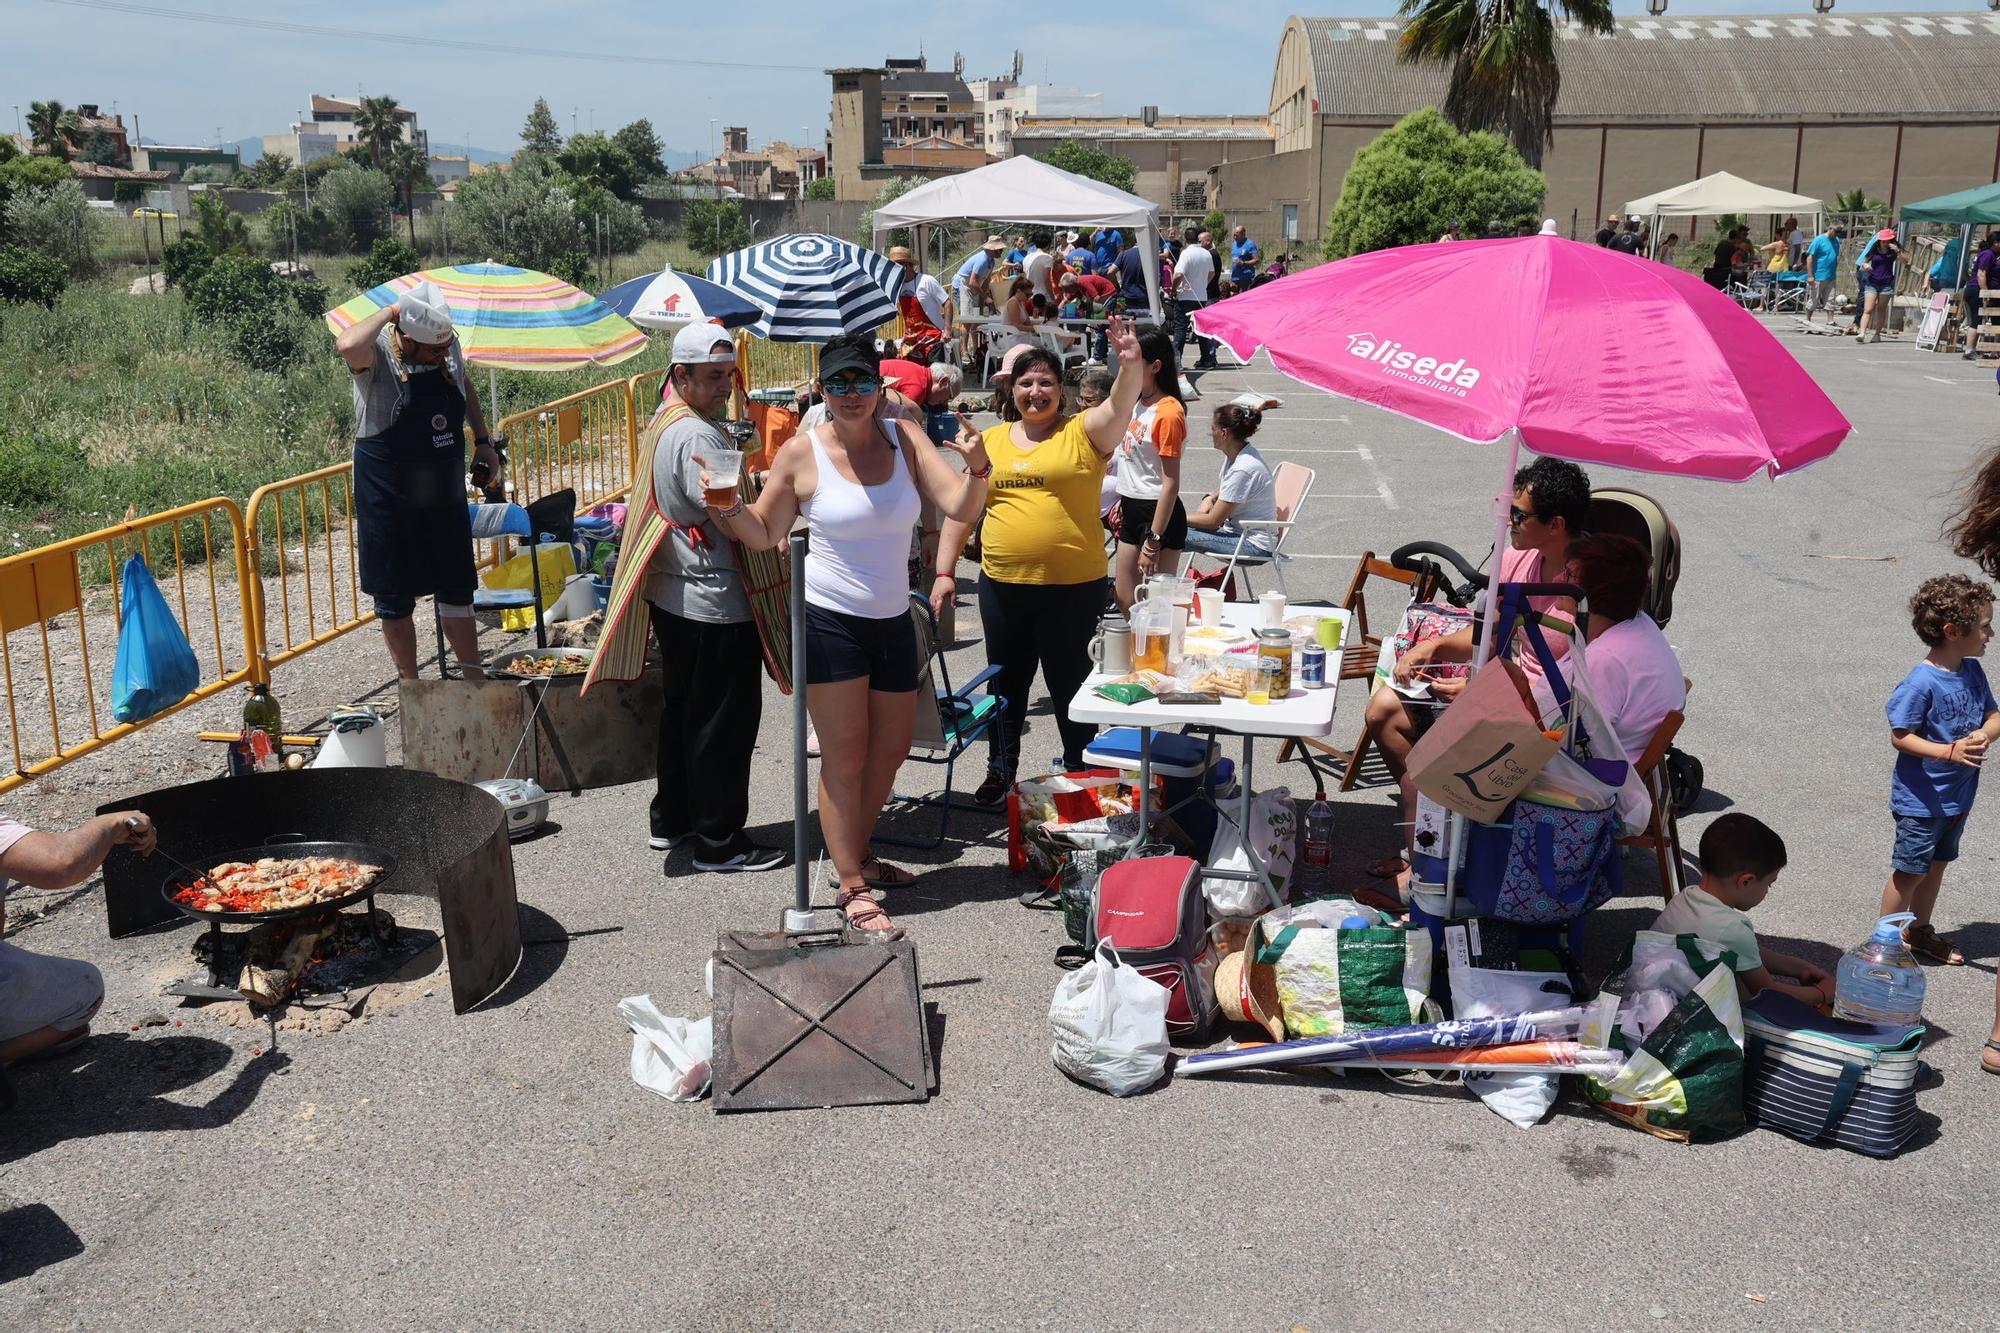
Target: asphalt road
[501, 1170]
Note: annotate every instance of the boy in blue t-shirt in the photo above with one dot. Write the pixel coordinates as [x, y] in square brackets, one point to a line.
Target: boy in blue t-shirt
[1941, 719]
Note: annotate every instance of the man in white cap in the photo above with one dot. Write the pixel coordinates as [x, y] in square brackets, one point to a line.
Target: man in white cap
[412, 402]
[680, 568]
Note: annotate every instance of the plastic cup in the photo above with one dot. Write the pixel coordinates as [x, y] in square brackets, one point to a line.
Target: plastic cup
[1262, 676]
[1208, 602]
[1273, 606]
[725, 473]
[1331, 629]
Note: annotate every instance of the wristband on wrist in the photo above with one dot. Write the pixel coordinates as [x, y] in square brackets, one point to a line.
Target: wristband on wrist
[1152, 539]
[980, 474]
[941, 574]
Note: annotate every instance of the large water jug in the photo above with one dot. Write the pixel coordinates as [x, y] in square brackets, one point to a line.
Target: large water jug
[1878, 980]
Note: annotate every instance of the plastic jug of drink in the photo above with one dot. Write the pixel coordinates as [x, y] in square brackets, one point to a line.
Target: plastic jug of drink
[1152, 627]
[1316, 863]
[1878, 980]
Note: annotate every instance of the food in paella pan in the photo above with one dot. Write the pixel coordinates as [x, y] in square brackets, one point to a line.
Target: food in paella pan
[548, 665]
[276, 884]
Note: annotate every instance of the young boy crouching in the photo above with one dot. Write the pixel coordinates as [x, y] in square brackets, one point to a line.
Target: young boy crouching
[1740, 861]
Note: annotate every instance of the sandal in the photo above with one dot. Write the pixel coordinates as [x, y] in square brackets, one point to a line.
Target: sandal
[1389, 867]
[1990, 1066]
[1926, 943]
[863, 912]
[1388, 904]
[886, 876]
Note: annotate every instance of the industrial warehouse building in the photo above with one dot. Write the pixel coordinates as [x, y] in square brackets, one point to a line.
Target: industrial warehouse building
[1904, 106]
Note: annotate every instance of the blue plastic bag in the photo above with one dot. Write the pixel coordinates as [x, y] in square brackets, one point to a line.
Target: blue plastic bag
[156, 667]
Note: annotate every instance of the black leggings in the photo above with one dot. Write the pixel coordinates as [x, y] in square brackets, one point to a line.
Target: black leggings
[1046, 625]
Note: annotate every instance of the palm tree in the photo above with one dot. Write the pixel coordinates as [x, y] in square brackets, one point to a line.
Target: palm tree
[378, 123]
[1502, 55]
[409, 168]
[51, 125]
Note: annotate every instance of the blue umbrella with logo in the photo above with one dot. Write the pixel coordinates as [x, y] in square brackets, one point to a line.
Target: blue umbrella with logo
[670, 300]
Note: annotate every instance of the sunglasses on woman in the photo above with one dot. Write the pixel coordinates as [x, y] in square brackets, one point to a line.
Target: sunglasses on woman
[1516, 517]
[857, 385]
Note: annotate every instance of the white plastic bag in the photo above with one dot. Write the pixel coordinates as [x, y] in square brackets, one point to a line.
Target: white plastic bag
[1274, 827]
[669, 1055]
[1521, 1097]
[1110, 1025]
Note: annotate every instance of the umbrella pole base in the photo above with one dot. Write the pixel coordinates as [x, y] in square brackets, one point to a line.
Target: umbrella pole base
[796, 920]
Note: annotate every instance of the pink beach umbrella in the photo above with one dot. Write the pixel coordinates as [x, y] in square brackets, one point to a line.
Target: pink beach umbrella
[1582, 352]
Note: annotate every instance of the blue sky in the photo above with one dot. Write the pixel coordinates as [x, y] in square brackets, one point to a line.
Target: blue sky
[192, 81]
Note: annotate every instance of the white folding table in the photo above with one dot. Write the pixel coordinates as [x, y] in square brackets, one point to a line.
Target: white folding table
[1303, 713]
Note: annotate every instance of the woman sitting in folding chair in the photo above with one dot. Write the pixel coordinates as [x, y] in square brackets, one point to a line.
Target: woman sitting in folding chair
[858, 480]
[1551, 505]
[1245, 493]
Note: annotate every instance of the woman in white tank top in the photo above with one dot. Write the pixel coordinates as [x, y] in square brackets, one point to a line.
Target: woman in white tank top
[859, 481]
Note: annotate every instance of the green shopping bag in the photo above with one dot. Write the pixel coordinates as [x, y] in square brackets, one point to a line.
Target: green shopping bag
[1335, 981]
[1671, 1007]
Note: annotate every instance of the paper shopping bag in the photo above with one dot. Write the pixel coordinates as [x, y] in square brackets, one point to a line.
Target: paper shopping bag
[1483, 751]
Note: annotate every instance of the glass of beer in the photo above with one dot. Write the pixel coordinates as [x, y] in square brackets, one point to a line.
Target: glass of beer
[724, 468]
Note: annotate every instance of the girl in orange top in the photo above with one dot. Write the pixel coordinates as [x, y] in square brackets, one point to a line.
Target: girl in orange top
[1152, 522]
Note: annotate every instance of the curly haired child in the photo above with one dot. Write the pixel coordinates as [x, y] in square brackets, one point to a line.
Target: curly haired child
[1941, 720]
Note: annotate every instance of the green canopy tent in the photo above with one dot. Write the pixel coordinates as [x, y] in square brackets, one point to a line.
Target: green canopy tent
[1979, 204]
[1964, 209]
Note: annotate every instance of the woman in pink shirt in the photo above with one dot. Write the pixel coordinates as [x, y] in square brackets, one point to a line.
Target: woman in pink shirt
[1551, 506]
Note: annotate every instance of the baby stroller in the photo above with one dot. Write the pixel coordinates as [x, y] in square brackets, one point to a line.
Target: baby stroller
[1622, 512]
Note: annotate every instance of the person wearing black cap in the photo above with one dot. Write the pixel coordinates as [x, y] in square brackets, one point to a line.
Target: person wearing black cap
[860, 481]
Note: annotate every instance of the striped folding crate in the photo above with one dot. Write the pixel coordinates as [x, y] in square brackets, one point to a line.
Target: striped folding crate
[1851, 1084]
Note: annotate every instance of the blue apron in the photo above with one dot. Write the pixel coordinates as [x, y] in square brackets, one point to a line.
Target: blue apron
[410, 515]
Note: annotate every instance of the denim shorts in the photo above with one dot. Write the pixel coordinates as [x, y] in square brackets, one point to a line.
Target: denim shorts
[1922, 839]
[1879, 288]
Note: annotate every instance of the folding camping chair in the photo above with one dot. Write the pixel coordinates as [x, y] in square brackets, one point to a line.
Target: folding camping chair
[496, 522]
[1361, 649]
[1291, 484]
[1663, 831]
[1787, 292]
[946, 729]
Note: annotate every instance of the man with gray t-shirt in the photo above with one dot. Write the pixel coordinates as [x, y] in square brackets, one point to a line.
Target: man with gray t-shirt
[711, 664]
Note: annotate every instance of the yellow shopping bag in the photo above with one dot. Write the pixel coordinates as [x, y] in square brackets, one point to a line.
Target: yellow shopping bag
[556, 562]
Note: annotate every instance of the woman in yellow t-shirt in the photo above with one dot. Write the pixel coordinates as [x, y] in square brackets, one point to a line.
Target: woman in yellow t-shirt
[1042, 565]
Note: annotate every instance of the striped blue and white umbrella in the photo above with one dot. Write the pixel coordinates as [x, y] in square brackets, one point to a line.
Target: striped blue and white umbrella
[811, 287]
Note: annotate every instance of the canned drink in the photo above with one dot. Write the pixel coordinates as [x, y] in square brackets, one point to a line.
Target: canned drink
[1312, 667]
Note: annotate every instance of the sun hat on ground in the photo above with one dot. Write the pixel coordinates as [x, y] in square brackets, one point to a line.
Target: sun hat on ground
[1248, 990]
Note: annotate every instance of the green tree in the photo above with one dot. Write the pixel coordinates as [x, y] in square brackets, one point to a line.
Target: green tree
[643, 146]
[128, 192]
[320, 167]
[54, 220]
[51, 128]
[357, 202]
[820, 190]
[714, 226]
[893, 189]
[409, 168]
[296, 228]
[1215, 223]
[378, 123]
[206, 173]
[525, 215]
[1085, 159]
[28, 276]
[1858, 201]
[99, 148]
[388, 258]
[1421, 174]
[220, 231]
[541, 134]
[607, 220]
[266, 173]
[1502, 56]
[20, 172]
[595, 159]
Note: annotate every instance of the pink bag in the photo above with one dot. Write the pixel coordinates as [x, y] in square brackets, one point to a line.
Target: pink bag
[1421, 621]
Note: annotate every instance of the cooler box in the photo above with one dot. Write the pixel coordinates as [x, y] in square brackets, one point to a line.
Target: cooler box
[1181, 761]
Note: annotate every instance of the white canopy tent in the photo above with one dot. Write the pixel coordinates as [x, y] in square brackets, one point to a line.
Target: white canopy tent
[1721, 193]
[1026, 190]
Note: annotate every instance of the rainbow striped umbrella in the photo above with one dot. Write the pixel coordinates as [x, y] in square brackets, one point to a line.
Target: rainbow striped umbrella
[512, 318]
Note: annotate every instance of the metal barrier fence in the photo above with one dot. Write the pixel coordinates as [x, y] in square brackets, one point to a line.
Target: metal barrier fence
[582, 442]
[52, 593]
[301, 537]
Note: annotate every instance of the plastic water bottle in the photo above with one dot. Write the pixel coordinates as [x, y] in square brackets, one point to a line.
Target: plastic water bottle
[1316, 865]
[1878, 980]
